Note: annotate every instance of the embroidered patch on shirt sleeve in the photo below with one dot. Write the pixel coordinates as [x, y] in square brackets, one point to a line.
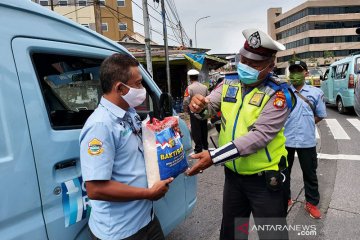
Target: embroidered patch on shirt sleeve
[186, 93]
[279, 103]
[95, 147]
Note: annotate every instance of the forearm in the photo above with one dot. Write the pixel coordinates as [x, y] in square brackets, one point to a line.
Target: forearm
[115, 191]
[318, 119]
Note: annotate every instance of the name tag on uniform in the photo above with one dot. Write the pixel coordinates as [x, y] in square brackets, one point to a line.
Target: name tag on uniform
[257, 99]
[231, 93]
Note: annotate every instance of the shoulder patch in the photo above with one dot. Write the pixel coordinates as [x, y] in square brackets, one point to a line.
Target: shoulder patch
[186, 94]
[279, 103]
[95, 147]
[277, 80]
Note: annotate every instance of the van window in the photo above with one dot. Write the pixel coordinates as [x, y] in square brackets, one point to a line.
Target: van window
[326, 74]
[339, 71]
[345, 70]
[71, 88]
[333, 72]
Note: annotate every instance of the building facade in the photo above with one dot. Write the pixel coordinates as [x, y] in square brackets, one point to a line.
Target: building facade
[317, 31]
[116, 16]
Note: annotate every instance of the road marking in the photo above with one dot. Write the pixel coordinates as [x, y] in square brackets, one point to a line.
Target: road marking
[317, 133]
[337, 131]
[338, 156]
[355, 122]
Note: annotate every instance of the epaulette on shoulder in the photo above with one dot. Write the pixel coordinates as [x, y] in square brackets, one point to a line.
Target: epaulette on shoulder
[277, 80]
[231, 81]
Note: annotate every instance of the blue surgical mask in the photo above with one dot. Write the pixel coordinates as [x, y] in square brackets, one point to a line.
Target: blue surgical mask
[247, 74]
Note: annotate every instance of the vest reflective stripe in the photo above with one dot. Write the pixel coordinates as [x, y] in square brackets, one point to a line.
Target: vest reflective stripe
[240, 117]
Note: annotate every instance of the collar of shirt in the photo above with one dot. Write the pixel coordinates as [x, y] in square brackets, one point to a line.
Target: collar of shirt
[117, 111]
[305, 88]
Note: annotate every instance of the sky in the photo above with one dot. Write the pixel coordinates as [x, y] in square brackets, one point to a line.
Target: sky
[222, 31]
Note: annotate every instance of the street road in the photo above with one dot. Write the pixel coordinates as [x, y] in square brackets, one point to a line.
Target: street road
[339, 179]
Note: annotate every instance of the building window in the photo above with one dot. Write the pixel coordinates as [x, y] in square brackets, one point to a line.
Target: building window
[317, 11]
[63, 3]
[102, 3]
[122, 26]
[121, 3]
[86, 25]
[82, 3]
[104, 27]
[44, 3]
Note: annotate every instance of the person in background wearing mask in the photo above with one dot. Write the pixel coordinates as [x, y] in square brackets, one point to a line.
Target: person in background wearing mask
[112, 158]
[252, 144]
[199, 129]
[300, 133]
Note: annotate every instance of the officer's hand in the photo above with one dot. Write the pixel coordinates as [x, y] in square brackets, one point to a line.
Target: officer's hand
[159, 189]
[204, 161]
[198, 103]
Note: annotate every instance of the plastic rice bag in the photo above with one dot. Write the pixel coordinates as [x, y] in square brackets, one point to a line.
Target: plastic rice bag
[163, 150]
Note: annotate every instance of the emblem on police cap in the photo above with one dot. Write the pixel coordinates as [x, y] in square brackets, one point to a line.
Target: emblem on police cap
[254, 40]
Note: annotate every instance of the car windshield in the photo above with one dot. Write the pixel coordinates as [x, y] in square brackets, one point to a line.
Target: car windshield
[315, 72]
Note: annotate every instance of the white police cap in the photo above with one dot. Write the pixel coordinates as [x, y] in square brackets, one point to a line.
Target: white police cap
[192, 72]
[259, 45]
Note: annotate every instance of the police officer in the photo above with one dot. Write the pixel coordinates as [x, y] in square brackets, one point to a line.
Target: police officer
[112, 159]
[252, 144]
[300, 133]
[199, 130]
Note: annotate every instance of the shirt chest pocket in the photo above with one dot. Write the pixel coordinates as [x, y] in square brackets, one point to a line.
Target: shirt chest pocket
[306, 109]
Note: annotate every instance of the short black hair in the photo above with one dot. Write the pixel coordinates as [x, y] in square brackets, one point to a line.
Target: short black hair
[116, 68]
[194, 77]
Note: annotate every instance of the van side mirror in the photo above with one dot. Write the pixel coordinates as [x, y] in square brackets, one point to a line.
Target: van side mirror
[321, 77]
[165, 105]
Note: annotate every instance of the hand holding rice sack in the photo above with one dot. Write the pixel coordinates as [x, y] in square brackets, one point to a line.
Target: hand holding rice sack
[159, 189]
[164, 153]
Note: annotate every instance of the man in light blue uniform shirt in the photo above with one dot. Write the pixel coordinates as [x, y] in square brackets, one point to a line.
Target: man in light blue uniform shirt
[112, 159]
[300, 133]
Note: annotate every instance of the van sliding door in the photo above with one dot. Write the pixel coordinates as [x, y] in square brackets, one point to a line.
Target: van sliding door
[60, 88]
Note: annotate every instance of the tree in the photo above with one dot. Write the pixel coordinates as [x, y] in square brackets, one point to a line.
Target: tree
[328, 55]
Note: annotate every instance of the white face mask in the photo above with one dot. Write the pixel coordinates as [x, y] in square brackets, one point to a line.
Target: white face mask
[135, 96]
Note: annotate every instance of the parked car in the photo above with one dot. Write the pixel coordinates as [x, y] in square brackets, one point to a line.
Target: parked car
[339, 82]
[314, 77]
[49, 86]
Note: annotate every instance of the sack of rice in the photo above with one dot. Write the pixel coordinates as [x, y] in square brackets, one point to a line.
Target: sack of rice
[163, 150]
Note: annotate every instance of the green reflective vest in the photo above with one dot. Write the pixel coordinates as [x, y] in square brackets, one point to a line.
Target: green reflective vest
[238, 117]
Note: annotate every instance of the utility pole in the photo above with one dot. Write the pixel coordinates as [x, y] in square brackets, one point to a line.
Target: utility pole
[97, 16]
[147, 37]
[166, 46]
[181, 34]
[76, 11]
[52, 5]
